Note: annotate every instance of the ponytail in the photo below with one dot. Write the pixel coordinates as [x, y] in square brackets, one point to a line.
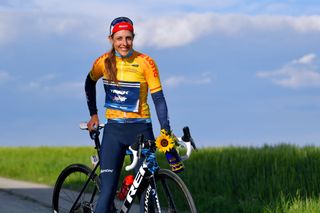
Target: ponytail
[110, 66]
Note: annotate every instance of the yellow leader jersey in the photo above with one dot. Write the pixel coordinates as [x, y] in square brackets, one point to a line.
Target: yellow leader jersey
[128, 98]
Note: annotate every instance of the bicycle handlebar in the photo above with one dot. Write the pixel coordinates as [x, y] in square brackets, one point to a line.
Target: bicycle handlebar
[186, 140]
[134, 160]
[83, 126]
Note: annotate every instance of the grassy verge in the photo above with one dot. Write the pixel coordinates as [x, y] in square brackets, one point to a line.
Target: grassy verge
[40, 164]
[281, 178]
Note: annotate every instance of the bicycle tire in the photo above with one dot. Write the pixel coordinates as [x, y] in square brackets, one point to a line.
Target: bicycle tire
[173, 194]
[68, 185]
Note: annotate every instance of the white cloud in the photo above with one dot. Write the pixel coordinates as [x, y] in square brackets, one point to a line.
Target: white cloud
[60, 90]
[171, 31]
[154, 27]
[5, 77]
[49, 86]
[306, 59]
[175, 81]
[39, 84]
[8, 29]
[302, 72]
[69, 89]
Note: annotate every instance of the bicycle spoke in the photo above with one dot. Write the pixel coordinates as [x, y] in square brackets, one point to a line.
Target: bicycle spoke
[169, 195]
[69, 186]
[172, 193]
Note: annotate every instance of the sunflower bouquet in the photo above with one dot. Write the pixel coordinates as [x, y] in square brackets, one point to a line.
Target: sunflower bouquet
[166, 143]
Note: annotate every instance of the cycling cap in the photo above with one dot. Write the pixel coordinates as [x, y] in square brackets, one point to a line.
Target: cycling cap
[121, 23]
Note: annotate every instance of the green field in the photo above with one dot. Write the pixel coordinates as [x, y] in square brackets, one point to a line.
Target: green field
[282, 178]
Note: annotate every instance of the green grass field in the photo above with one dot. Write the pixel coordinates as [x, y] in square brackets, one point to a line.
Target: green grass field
[282, 178]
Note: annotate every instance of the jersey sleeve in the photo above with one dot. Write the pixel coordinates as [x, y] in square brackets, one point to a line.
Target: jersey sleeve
[90, 84]
[90, 89]
[161, 109]
[152, 75]
[97, 69]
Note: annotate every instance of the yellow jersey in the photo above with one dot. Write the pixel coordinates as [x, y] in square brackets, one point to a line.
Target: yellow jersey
[128, 98]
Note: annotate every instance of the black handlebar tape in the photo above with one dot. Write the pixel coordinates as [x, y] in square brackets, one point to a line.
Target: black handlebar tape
[187, 137]
[186, 134]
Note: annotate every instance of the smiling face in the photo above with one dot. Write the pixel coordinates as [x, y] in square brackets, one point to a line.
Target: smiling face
[122, 41]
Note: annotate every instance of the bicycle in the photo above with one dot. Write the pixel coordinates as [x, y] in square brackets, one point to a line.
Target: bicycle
[77, 187]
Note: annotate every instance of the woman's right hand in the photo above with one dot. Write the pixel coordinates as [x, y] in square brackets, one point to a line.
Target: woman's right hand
[93, 123]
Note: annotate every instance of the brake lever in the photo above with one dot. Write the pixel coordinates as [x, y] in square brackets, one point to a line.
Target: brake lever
[94, 134]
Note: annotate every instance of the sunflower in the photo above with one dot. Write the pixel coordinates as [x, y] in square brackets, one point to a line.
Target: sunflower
[165, 142]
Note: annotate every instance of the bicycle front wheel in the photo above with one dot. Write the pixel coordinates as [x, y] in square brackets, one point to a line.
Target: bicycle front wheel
[68, 187]
[173, 194]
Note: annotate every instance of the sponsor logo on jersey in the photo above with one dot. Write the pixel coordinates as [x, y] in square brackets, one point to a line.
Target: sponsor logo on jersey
[106, 171]
[152, 64]
[119, 98]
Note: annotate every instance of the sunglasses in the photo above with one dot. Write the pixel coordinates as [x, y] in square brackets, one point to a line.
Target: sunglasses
[118, 20]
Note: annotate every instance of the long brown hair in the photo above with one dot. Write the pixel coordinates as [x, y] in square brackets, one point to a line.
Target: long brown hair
[110, 65]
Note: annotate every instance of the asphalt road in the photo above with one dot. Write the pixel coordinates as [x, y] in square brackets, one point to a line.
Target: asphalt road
[10, 203]
[20, 196]
[24, 197]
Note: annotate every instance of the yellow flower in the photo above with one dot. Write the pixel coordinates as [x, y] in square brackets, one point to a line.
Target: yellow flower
[165, 142]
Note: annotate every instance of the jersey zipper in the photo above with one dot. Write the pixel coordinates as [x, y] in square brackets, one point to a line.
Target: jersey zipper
[121, 77]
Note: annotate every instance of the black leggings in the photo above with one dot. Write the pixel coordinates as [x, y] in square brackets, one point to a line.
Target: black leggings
[115, 141]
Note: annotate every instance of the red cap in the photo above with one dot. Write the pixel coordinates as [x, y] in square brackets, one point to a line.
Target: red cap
[122, 26]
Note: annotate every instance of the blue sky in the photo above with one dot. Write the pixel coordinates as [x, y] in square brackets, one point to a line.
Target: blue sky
[237, 72]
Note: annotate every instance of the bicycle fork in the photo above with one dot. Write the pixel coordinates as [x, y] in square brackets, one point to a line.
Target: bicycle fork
[151, 194]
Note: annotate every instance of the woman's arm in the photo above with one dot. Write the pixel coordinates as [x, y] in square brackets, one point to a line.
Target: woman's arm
[161, 109]
[90, 89]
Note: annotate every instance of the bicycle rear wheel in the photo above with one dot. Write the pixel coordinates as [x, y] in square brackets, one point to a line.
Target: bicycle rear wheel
[68, 187]
[173, 194]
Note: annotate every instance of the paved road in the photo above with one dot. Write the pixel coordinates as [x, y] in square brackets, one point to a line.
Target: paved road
[10, 203]
[22, 197]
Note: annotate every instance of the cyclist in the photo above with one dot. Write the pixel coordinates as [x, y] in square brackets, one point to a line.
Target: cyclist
[127, 76]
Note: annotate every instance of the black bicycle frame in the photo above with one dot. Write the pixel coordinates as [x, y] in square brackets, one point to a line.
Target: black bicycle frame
[142, 174]
[133, 189]
[91, 177]
[92, 174]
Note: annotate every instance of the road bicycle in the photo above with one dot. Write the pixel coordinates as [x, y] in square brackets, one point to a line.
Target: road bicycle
[77, 187]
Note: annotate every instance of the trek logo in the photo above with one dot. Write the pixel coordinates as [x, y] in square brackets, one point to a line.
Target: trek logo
[119, 92]
[133, 189]
[119, 98]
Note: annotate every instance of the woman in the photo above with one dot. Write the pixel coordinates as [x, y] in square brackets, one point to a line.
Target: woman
[127, 76]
